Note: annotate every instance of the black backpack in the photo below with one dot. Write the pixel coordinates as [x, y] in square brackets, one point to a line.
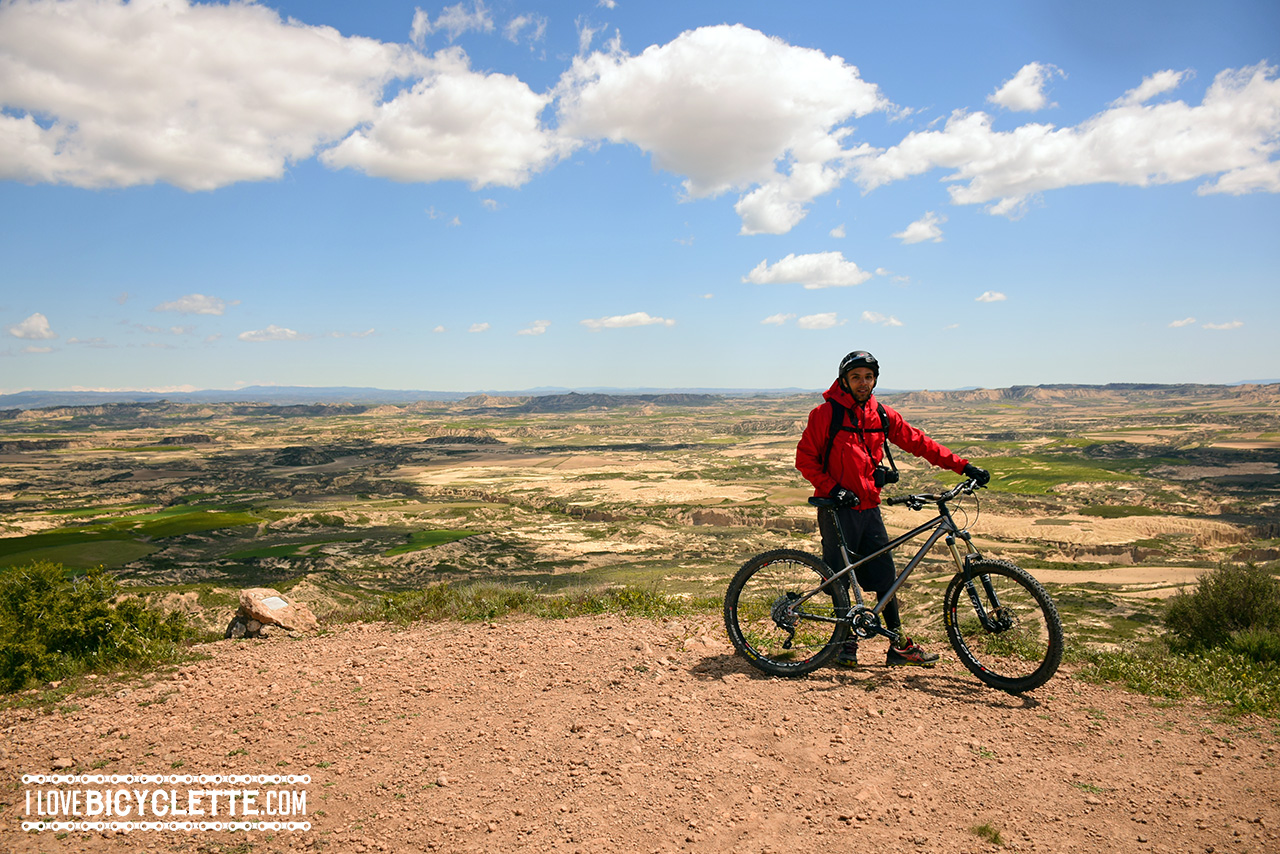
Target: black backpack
[837, 424]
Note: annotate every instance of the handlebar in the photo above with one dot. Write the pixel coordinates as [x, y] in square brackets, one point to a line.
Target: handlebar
[917, 502]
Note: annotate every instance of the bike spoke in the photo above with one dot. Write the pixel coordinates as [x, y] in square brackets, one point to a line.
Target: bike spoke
[1014, 640]
[770, 626]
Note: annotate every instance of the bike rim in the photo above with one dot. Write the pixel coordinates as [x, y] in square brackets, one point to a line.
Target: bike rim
[1023, 646]
[767, 598]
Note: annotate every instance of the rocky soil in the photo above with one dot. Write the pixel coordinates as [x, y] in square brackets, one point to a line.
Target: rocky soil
[629, 735]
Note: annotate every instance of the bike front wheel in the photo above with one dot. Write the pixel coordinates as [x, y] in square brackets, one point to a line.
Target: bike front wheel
[768, 624]
[1004, 626]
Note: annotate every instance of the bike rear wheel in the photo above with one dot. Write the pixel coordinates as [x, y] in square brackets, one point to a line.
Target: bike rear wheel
[768, 629]
[1003, 626]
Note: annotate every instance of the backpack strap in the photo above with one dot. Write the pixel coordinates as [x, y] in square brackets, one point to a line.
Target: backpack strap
[837, 424]
[884, 425]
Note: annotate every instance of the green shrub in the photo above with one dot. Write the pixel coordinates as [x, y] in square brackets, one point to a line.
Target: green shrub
[1239, 682]
[1261, 645]
[53, 625]
[1227, 602]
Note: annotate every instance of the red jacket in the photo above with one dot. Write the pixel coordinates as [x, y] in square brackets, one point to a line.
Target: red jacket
[854, 455]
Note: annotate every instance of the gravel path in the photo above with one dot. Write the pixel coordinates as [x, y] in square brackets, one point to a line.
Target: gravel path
[608, 734]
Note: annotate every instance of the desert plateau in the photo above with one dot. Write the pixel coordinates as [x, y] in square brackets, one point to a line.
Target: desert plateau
[635, 732]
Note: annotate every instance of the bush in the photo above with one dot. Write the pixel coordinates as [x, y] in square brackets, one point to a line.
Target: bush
[1260, 645]
[53, 625]
[1230, 602]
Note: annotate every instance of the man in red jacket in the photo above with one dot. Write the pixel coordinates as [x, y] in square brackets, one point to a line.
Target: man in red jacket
[851, 472]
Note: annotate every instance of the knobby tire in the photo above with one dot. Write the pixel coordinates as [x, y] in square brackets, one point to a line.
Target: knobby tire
[1023, 649]
[760, 594]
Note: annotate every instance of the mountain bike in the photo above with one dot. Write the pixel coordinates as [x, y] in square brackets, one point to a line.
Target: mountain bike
[788, 613]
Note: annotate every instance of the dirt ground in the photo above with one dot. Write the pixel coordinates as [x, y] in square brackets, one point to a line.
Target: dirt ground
[607, 734]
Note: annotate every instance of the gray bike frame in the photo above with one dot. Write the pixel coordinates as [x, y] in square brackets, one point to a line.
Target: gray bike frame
[943, 526]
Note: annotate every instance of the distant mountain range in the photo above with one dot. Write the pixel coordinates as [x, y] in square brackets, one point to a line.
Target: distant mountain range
[305, 395]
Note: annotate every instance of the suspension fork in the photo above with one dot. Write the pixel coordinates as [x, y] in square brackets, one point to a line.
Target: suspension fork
[964, 564]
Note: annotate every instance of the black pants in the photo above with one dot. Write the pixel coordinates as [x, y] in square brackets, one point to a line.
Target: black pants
[865, 533]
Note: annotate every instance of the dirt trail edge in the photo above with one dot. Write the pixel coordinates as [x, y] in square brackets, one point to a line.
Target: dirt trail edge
[616, 734]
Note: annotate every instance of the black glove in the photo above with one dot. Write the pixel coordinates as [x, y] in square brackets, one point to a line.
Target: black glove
[844, 497]
[982, 476]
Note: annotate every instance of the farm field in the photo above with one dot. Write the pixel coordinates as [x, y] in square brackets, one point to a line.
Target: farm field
[1113, 496]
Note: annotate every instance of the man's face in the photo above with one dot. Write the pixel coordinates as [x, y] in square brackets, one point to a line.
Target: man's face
[861, 382]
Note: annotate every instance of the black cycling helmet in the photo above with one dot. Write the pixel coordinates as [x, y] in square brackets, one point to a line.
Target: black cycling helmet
[859, 359]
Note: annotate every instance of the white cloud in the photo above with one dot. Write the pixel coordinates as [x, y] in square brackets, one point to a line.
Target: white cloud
[1156, 84]
[1233, 134]
[728, 108]
[196, 95]
[479, 327]
[818, 270]
[534, 25]
[538, 327]
[272, 333]
[990, 296]
[777, 319]
[838, 231]
[1024, 92]
[639, 318]
[586, 34]
[196, 304]
[1235, 324]
[827, 320]
[453, 21]
[34, 328]
[925, 228]
[880, 319]
[455, 124]
[438, 329]
[1178, 324]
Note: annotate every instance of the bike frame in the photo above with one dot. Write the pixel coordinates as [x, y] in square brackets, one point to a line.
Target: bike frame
[942, 526]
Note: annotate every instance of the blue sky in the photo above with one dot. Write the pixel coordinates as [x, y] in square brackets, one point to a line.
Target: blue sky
[510, 195]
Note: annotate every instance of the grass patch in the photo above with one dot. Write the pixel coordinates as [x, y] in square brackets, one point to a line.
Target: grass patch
[108, 553]
[1119, 511]
[1223, 676]
[99, 510]
[420, 540]
[288, 549]
[1039, 474]
[172, 522]
[489, 601]
[988, 832]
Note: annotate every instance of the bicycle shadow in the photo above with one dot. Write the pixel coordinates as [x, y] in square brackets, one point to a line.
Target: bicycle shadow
[938, 683]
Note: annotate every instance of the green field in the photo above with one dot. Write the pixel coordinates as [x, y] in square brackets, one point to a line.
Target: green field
[119, 540]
